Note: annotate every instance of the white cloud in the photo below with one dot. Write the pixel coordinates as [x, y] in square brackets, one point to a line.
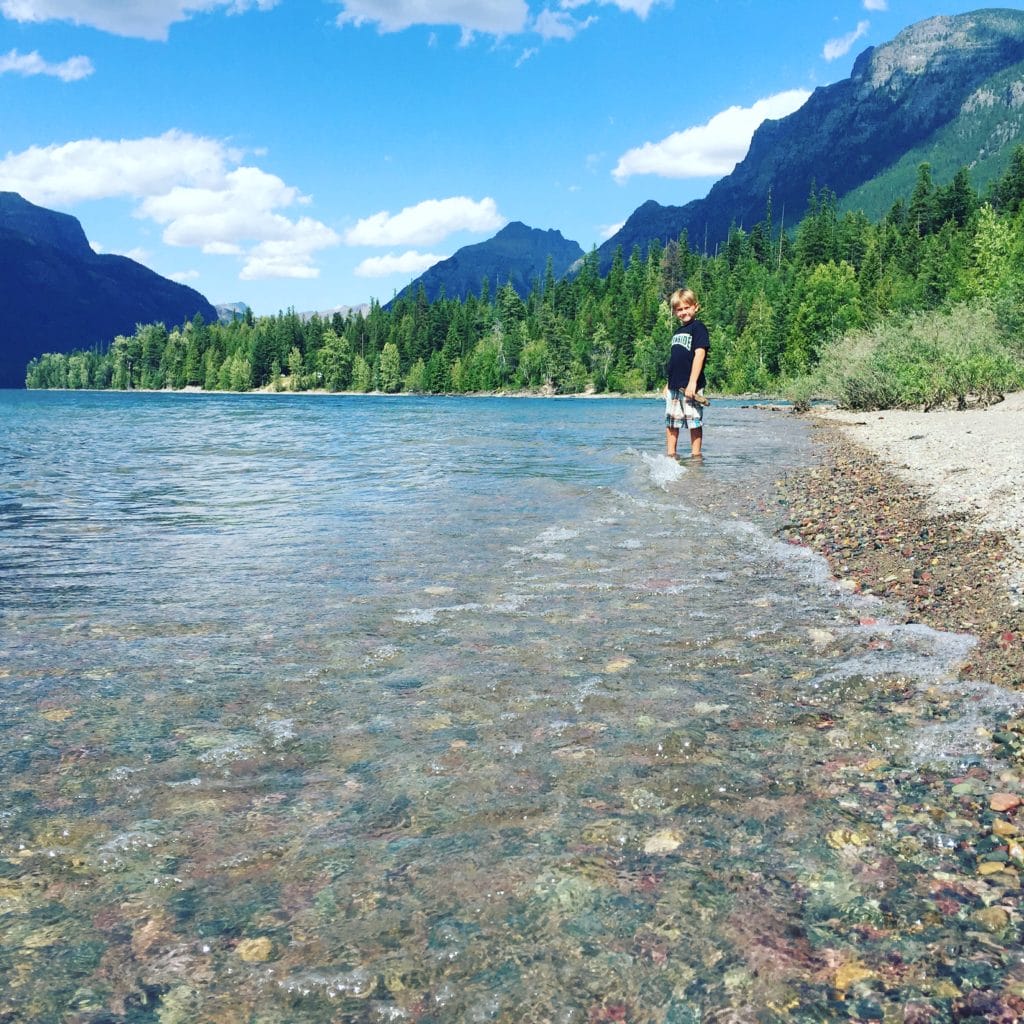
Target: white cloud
[607, 230]
[100, 169]
[290, 255]
[187, 184]
[875, 5]
[529, 52]
[708, 150]
[181, 276]
[492, 17]
[71, 70]
[239, 207]
[836, 48]
[222, 249]
[427, 222]
[150, 19]
[411, 263]
[240, 212]
[559, 25]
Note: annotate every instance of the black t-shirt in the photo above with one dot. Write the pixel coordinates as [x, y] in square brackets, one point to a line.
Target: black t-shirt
[687, 339]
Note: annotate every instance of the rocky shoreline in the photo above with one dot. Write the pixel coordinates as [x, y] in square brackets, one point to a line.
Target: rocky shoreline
[883, 535]
[886, 526]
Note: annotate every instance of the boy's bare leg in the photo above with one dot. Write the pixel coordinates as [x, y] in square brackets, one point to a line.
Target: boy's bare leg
[671, 441]
[696, 440]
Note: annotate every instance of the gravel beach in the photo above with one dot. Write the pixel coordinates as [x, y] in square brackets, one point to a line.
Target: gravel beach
[970, 461]
[926, 509]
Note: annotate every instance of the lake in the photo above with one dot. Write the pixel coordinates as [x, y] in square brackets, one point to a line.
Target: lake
[366, 708]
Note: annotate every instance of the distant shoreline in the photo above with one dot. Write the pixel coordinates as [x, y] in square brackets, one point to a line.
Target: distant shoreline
[753, 399]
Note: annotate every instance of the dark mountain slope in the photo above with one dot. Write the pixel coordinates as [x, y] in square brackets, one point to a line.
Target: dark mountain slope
[57, 295]
[987, 128]
[516, 254]
[898, 96]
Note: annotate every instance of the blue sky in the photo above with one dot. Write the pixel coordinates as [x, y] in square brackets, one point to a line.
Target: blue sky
[317, 153]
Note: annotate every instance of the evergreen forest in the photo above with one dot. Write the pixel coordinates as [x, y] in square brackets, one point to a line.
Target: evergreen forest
[924, 307]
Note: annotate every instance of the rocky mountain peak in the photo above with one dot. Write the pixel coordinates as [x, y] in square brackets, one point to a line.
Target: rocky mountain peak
[48, 226]
[987, 37]
[900, 96]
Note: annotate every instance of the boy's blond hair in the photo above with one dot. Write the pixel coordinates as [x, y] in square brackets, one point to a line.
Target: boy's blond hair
[683, 295]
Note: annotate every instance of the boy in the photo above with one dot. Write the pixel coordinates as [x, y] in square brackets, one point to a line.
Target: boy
[684, 393]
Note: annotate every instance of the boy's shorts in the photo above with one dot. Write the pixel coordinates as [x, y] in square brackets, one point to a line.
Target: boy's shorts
[680, 412]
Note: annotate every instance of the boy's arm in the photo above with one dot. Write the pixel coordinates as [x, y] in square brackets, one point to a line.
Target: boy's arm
[699, 355]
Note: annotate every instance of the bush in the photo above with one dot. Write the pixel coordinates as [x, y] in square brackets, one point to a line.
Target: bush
[800, 391]
[924, 361]
[632, 382]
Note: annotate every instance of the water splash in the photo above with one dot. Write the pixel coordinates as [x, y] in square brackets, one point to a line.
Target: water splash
[662, 471]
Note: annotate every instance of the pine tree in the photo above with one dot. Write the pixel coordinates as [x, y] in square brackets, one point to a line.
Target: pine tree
[1009, 192]
[956, 202]
[922, 209]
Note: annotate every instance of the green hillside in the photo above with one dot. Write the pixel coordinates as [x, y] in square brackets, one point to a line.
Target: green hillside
[981, 138]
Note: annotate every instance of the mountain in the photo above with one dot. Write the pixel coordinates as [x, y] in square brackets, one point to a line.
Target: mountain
[328, 314]
[949, 87]
[989, 125]
[517, 254]
[57, 295]
[230, 311]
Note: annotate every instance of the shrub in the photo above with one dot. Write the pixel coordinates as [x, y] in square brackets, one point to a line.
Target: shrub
[800, 391]
[923, 361]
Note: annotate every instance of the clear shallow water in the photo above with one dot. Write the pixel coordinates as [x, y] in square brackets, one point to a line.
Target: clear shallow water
[358, 709]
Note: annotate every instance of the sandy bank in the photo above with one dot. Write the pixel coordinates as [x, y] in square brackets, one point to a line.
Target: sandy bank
[970, 462]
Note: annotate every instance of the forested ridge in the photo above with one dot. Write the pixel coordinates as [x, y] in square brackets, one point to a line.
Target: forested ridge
[798, 310]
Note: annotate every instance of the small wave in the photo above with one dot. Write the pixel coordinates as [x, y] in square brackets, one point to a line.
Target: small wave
[383, 653]
[358, 982]
[425, 616]
[509, 604]
[964, 735]
[918, 652]
[556, 534]
[143, 842]
[279, 731]
[238, 750]
[663, 470]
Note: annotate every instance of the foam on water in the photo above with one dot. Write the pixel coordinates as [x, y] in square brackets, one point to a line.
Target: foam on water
[662, 470]
[970, 710]
[916, 651]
